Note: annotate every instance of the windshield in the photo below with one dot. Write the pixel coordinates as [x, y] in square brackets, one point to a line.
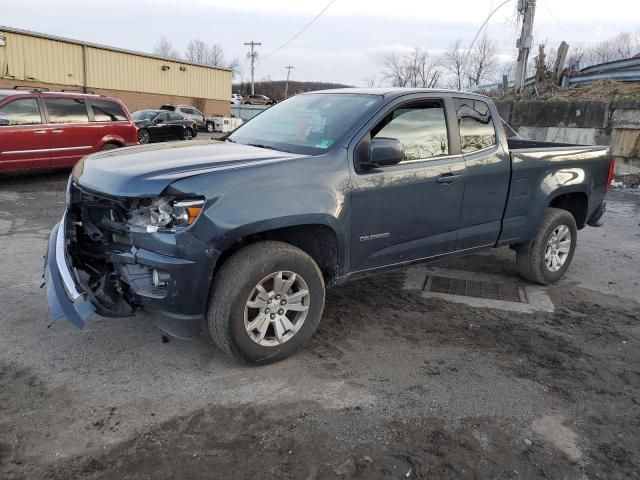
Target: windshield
[144, 115]
[308, 124]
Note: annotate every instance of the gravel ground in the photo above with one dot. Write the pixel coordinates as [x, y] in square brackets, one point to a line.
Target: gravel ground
[393, 385]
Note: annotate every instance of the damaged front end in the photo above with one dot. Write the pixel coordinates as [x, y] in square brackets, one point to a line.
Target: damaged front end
[116, 256]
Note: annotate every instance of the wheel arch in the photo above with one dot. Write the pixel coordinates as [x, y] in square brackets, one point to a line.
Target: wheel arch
[575, 202]
[112, 139]
[318, 240]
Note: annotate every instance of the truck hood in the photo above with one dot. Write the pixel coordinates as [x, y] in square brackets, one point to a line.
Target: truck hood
[145, 171]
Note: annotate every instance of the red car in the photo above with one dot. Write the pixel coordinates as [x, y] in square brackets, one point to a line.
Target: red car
[44, 130]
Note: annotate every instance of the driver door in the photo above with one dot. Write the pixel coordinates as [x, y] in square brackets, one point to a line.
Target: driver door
[408, 211]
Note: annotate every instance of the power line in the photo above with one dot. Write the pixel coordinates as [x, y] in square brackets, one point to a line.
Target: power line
[301, 30]
[466, 60]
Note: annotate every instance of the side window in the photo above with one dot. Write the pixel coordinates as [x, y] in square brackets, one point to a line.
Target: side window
[66, 110]
[421, 129]
[162, 118]
[195, 111]
[175, 117]
[24, 111]
[106, 111]
[187, 111]
[476, 126]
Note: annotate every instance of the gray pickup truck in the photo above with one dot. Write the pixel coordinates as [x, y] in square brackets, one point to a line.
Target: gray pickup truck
[240, 237]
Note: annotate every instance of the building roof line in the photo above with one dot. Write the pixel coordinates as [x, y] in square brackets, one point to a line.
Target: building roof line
[106, 47]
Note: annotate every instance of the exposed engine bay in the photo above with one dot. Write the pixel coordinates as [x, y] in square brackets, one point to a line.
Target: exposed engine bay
[101, 251]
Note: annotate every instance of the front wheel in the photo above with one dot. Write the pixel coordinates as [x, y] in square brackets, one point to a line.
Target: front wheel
[266, 302]
[187, 134]
[545, 259]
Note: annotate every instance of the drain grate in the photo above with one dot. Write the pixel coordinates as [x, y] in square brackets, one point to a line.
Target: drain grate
[475, 288]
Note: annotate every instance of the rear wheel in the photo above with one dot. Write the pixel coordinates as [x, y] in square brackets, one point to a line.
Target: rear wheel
[266, 302]
[209, 127]
[109, 146]
[545, 259]
[143, 136]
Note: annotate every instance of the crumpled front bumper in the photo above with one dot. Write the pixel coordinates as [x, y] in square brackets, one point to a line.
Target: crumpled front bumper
[64, 296]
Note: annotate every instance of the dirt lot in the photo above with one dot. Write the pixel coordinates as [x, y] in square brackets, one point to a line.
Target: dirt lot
[393, 385]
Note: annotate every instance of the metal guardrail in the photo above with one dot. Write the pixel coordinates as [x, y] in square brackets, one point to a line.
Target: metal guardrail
[247, 112]
[627, 70]
[627, 63]
[624, 76]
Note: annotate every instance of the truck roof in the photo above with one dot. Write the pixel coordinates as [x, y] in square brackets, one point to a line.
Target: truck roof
[391, 92]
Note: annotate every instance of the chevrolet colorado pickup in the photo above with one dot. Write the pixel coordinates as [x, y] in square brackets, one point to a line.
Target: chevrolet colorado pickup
[241, 237]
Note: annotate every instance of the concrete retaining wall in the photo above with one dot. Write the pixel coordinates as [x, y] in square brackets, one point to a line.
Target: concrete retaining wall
[616, 124]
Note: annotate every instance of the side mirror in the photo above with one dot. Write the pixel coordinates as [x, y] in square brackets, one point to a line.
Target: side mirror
[4, 120]
[157, 121]
[384, 152]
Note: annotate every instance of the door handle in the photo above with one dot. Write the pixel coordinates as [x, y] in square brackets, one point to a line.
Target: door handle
[39, 132]
[57, 130]
[448, 178]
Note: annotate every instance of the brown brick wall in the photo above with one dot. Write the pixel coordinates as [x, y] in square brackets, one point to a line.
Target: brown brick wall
[139, 100]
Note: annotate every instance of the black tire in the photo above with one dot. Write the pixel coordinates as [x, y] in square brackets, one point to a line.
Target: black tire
[235, 282]
[209, 127]
[109, 146]
[144, 136]
[530, 258]
[187, 134]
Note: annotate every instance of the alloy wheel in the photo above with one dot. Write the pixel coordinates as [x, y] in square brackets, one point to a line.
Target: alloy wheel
[143, 136]
[276, 308]
[558, 248]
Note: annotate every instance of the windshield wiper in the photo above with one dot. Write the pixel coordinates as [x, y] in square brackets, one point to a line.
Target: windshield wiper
[261, 146]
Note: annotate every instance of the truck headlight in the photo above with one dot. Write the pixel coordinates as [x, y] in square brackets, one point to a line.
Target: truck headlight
[165, 213]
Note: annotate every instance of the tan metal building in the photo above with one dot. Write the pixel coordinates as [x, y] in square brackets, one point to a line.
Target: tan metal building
[139, 79]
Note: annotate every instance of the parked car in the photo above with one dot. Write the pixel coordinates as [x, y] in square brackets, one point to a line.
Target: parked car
[236, 99]
[244, 235]
[158, 125]
[44, 130]
[257, 100]
[191, 113]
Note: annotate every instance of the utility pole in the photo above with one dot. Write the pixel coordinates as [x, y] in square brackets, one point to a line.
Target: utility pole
[286, 85]
[252, 56]
[528, 9]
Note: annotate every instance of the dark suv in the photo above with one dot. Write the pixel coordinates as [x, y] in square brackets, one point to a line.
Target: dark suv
[42, 130]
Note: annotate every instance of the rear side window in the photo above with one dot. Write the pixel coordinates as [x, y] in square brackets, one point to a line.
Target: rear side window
[476, 126]
[421, 129]
[24, 111]
[106, 111]
[66, 110]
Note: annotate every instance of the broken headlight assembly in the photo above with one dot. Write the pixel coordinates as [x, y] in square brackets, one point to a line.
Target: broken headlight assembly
[165, 213]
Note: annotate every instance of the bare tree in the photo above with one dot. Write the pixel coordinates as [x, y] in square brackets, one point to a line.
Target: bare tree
[164, 48]
[623, 45]
[371, 81]
[483, 61]
[453, 62]
[413, 69]
[395, 70]
[198, 52]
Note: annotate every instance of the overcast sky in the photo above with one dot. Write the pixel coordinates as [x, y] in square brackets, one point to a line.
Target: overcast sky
[346, 44]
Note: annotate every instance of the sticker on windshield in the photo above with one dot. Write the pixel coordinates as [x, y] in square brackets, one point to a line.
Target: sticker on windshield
[324, 143]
